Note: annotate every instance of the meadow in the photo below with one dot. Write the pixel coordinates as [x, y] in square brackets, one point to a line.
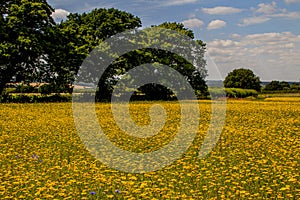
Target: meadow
[256, 157]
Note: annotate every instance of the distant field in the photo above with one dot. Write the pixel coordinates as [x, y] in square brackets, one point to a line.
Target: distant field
[280, 95]
[257, 156]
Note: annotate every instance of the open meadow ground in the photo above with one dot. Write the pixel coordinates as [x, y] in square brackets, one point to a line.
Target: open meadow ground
[257, 156]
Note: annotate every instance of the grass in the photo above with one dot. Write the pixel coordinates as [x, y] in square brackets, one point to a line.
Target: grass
[257, 156]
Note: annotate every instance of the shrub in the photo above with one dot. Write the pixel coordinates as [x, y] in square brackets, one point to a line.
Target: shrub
[240, 93]
[47, 89]
[34, 98]
[25, 88]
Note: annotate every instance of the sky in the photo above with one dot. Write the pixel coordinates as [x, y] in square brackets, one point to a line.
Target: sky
[263, 36]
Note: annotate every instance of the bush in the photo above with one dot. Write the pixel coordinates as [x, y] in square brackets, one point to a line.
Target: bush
[47, 89]
[4, 97]
[240, 93]
[216, 92]
[25, 88]
[34, 98]
[10, 90]
[232, 92]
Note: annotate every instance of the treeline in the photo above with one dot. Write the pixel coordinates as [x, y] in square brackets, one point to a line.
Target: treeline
[35, 49]
[281, 87]
[246, 79]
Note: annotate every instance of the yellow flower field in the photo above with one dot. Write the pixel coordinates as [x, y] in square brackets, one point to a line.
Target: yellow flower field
[257, 156]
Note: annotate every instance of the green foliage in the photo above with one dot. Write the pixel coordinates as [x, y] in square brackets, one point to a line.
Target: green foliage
[47, 89]
[34, 48]
[240, 93]
[277, 86]
[242, 78]
[233, 92]
[194, 74]
[9, 90]
[285, 85]
[24, 37]
[295, 86]
[6, 98]
[80, 34]
[179, 27]
[153, 92]
[26, 88]
[281, 87]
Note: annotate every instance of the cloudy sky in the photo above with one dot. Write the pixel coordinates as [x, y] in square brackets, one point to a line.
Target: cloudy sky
[261, 35]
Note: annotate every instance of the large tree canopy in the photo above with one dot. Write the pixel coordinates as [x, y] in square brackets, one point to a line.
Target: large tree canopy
[24, 38]
[242, 78]
[195, 73]
[80, 34]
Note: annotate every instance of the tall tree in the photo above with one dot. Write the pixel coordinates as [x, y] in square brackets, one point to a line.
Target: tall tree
[242, 78]
[194, 74]
[24, 37]
[80, 34]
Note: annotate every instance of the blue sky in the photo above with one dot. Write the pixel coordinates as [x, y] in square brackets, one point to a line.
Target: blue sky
[261, 35]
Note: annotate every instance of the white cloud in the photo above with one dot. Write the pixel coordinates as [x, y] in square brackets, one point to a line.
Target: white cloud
[273, 38]
[60, 14]
[216, 24]
[221, 10]
[267, 8]
[235, 35]
[178, 2]
[254, 20]
[288, 15]
[193, 23]
[292, 1]
[267, 12]
[223, 43]
[269, 54]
